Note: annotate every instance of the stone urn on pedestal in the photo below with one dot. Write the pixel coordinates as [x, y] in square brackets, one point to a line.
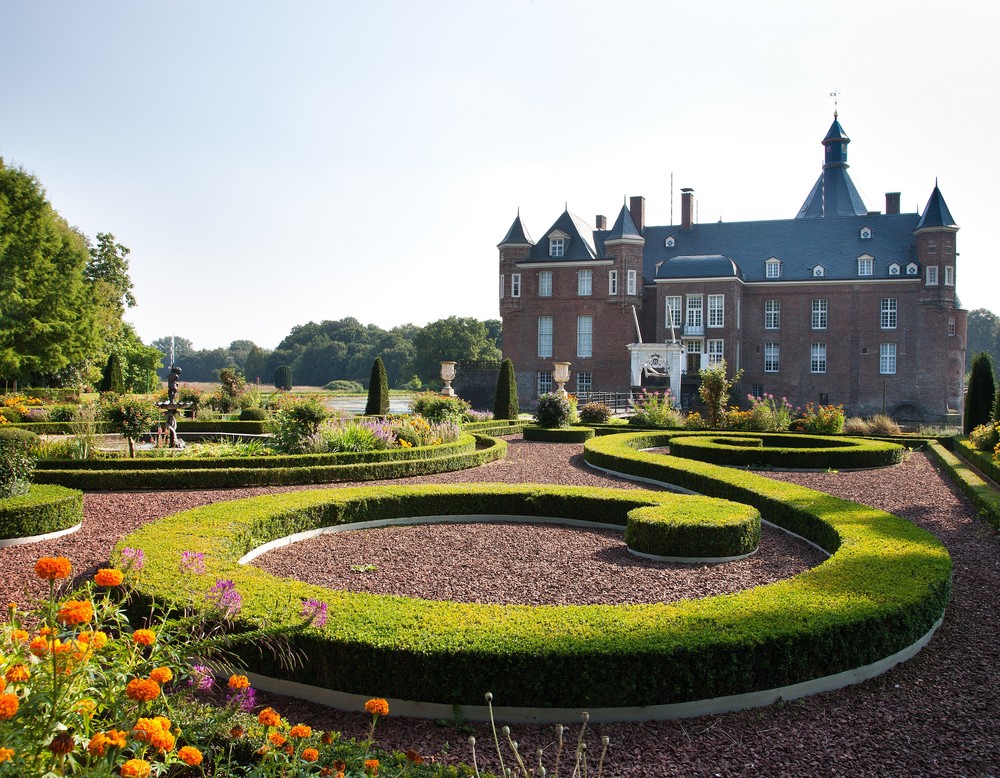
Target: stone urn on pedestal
[448, 375]
[561, 376]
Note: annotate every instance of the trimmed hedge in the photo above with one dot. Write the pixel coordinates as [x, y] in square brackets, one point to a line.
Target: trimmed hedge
[496, 427]
[557, 434]
[885, 587]
[985, 462]
[201, 474]
[692, 532]
[790, 451]
[42, 510]
[983, 496]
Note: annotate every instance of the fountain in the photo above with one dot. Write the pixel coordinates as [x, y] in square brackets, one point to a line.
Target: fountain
[171, 406]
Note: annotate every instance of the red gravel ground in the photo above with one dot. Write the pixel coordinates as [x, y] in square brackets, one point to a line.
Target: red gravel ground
[936, 715]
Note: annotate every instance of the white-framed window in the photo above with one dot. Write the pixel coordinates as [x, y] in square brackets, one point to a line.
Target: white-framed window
[544, 382]
[716, 310]
[894, 269]
[631, 282]
[694, 311]
[612, 282]
[545, 336]
[515, 284]
[557, 247]
[544, 283]
[501, 285]
[715, 351]
[819, 314]
[912, 269]
[949, 275]
[951, 326]
[887, 359]
[866, 266]
[585, 336]
[932, 275]
[772, 357]
[584, 382]
[584, 282]
[819, 271]
[673, 311]
[887, 316]
[772, 268]
[772, 314]
[817, 358]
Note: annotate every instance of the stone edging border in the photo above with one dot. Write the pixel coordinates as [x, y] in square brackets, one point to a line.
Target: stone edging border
[25, 540]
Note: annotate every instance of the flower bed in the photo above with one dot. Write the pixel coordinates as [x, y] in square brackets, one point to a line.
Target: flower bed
[43, 510]
[787, 451]
[118, 474]
[884, 588]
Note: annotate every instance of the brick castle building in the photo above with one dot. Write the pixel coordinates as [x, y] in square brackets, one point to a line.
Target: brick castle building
[839, 305]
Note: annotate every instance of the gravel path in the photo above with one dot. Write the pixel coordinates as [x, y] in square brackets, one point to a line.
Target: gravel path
[936, 715]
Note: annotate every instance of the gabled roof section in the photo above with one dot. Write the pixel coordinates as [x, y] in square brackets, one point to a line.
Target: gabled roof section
[624, 228]
[936, 213]
[579, 241]
[516, 235]
[702, 266]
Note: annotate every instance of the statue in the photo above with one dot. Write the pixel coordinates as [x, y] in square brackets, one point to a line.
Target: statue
[172, 380]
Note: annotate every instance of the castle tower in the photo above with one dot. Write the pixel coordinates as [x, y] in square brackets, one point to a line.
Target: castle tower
[834, 193]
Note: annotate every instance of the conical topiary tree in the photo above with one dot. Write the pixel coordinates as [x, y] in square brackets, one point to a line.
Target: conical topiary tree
[113, 379]
[979, 398]
[378, 390]
[283, 378]
[505, 406]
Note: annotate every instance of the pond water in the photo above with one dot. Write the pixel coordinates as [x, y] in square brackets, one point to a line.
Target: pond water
[356, 405]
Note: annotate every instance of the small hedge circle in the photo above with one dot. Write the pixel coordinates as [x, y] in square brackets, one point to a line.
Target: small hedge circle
[787, 451]
[883, 589]
[689, 532]
[557, 434]
[44, 510]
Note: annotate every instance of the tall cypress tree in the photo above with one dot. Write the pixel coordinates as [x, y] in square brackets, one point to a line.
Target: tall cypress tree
[113, 379]
[979, 398]
[378, 390]
[505, 406]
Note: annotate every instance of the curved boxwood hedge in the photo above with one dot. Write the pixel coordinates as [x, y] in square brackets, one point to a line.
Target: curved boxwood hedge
[496, 427]
[42, 510]
[558, 434]
[685, 533]
[789, 451]
[984, 496]
[884, 588]
[124, 474]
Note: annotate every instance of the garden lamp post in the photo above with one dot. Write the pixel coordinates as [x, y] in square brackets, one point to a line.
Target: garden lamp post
[561, 376]
[448, 375]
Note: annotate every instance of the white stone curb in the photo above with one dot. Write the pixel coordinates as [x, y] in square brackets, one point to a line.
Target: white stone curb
[6, 542]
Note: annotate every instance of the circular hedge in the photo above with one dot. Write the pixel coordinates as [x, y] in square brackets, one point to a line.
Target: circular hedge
[43, 510]
[557, 434]
[787, 451]
[884, 588]
[688, 533]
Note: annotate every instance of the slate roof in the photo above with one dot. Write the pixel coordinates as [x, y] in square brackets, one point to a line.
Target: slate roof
[579, 245]
[936, 213]
[516, 235]
[834, 193]
[624, 227]
[706, 266]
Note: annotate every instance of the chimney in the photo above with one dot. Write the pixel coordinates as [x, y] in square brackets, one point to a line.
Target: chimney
[637, 210]
[687, 201]
[891, 203]
[602, 223]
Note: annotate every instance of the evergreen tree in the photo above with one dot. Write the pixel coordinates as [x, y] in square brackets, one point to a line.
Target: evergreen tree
[113, 379]
[283, 378]
[378, 390]
[506, 405]
[979, 398]
[996, 407]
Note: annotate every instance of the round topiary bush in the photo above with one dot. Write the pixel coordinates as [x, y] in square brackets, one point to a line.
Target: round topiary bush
[17, 460]
[595, 413]
[253, 414]
[553, 410]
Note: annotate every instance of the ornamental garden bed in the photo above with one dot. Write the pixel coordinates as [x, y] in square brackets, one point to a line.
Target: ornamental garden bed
[786, 450]
[42, 513]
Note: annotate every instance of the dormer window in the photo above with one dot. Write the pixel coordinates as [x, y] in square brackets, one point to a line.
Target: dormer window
[557, 247]
[866, 265]
[670, 242]
[912, 269]
[866, 233]
[819, 271]
[894, 269]
[772, 268]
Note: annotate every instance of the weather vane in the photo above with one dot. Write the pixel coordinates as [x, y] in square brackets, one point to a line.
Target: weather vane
[835, 95]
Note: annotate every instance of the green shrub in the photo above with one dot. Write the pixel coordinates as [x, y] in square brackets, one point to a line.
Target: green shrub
[378, 390]
[113, 377]
[352, 437]
[506, 405]
[437, 407]
[295, 424]
[985, 437]
[130, 416]
[980, 395]
[716, 530]
[595, 413]
[715, 389]
[41, 510]
[343, 385]
[652, 409]
[253, 414]
[62, 412]
[553, 410]
[17, 460]
[283, 378]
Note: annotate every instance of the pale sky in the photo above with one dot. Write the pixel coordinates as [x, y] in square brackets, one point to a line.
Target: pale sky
[270, 163]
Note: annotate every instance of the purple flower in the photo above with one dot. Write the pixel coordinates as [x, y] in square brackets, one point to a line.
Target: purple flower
[244, 699]
[192, 562]
[201, 678]
[315, 611]
[133, 558]
[224, 596]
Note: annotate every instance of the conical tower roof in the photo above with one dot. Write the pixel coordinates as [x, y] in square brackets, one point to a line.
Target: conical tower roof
[936, 213]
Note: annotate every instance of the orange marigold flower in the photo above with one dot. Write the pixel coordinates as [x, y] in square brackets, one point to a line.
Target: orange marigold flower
[144, 637]
[73, 612]
[93, 639]
[414, 756]
[6, 753]
[97, 745]
[163, 740]
[326, 738]
[377, 707]
[142, 689]
[310, 754]
[136, 768]
[50, 568]
[39, 646]
[237, 732]
[269, 717]
[8, 706]
[62, 743]
[17, 673]
[238, 682]
[3, 684]
[339, 764]
[300, 731]
[85, 707]
[326, 772]
[18, 636]
[277, 739]
[190, 755]
[116, 737]
[108, 576]
[371, 766]
[161, 675]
